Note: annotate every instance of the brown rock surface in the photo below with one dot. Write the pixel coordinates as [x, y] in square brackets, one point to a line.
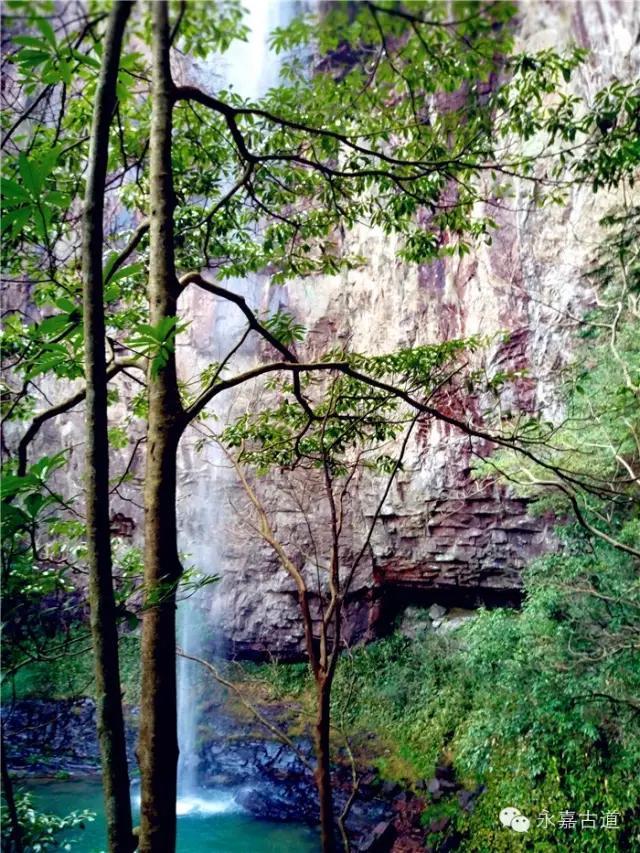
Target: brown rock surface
[443, 534]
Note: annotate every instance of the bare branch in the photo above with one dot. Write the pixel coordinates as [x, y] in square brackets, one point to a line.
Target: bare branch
[278, 733]
[254, 324]
[267, 533]
[213, 390]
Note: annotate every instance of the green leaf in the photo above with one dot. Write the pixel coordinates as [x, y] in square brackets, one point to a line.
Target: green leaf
[66, 304]
[12, 189]
[66, 71]
[16, 219]
[11, 485]
[30, 175]
[112, 292]
[31, 41]
[157, 342]
[126, 272]
[86, 59]
[32, 58]
[47, 31]
[51, 325]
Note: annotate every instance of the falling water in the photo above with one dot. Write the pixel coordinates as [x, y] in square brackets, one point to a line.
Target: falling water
[249, 69]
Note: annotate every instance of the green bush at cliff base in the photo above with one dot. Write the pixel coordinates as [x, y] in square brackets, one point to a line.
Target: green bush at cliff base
[539, 706]
[536, 706]
[70, 676]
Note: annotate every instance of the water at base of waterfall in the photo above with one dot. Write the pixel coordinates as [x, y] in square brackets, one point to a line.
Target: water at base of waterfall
[209, 820]
[207, 803]
[250, 69]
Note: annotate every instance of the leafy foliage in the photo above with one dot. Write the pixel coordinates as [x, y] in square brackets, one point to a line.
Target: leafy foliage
[284, 327]
[403, 126]
[320, 152]
[42, 831]
[157, 342]
[38, 542]
[348, 414]
[43, 551]
[537, 708]
[523, 704]
[597, 442]
[69, 674]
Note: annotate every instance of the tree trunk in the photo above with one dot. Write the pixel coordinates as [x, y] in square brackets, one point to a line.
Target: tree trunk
[323, 767]
[158, 744]
[7, 791]
[104, 629]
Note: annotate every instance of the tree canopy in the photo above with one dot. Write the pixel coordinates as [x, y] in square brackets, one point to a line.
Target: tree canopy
[409, 118]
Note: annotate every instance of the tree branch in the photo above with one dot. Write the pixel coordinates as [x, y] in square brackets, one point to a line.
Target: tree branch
[280, 735]
[254, 324]
[266, 532]
[231, 113]
[131, 246]
[216, 388]
[60, 409]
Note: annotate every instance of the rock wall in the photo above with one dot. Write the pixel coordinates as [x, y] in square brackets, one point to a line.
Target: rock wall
[443, 535]
[239, 760]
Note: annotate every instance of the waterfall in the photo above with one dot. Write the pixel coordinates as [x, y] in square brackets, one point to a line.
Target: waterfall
[204, 474]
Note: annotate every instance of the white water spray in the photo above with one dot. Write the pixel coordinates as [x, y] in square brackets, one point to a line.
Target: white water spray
[249, 69]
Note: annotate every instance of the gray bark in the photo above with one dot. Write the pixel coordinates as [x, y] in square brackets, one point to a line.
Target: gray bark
[104, 629]
[158, 745]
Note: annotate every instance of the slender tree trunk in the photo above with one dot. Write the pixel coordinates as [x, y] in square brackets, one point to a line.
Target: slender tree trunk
[158, 745]
[7, 790]
[323, 766]
[104, 629]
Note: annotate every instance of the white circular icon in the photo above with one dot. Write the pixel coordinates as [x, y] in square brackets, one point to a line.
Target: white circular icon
[520, 823]
[508, 814]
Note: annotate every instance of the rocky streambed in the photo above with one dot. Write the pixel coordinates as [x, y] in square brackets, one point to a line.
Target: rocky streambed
[268, 779]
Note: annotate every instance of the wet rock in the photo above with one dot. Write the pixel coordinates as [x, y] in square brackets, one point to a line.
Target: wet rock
[440, 824]
[467, 799]
[456, 617]
[437, 611]
[48, 736]
[445, 773]
[414, 622]
[451, 842]
[408, 825]
[380, 839]
[409, 844]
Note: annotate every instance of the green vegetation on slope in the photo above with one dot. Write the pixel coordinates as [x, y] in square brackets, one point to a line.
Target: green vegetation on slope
[69, 676]
[539, 707]
[518, 702]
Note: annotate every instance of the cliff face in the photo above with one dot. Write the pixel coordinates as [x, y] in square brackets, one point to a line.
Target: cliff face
[443, 535]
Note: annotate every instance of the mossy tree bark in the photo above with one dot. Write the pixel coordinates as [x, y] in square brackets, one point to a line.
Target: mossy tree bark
[323, 766]
[104, 629]
[14, 843]
[158, 745]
